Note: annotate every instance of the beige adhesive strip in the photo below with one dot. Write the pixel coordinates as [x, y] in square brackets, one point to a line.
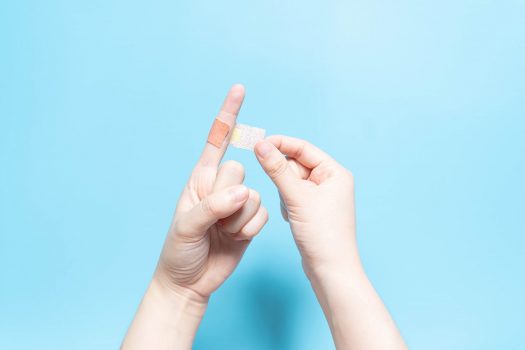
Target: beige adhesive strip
[245, 136]
[218, 133]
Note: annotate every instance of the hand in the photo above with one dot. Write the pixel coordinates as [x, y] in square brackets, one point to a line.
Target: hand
[215, 219]
[317, 199]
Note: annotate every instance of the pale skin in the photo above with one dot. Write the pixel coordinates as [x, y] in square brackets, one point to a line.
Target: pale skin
[216, 219]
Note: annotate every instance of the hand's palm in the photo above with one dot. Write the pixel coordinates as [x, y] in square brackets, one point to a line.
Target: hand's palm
[215, 256]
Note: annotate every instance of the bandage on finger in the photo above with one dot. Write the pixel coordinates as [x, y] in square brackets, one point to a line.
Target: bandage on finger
[218, 133]
[243, 136]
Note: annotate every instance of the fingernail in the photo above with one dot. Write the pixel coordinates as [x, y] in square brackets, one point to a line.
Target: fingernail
[239, 193]
[263, 148]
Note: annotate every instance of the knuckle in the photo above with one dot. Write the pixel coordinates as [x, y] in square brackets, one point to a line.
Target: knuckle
[178, 226]
[302, 147]
[209, 207]
[181, 228]
[234, 165]
[278, 168]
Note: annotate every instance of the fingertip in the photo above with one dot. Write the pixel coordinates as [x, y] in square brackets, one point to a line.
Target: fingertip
[266, 215]
[263, 148]
[237, 92]
[238, 86]
[254, 196]
[239, 193]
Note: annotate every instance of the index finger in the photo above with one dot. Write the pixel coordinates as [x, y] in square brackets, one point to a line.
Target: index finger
[302, 151]
[220, 132]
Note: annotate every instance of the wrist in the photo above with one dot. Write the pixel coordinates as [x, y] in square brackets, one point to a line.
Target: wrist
[342, 265]
[333, 279]
[328, 277]
[177, 310]
[170, 293]
[168, 318]
[335, 286]
[338, 276]
[352, 308]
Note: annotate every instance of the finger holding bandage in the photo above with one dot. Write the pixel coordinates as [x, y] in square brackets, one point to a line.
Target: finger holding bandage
[221, 129]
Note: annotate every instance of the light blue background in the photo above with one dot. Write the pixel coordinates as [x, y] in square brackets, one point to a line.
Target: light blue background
[105, 105]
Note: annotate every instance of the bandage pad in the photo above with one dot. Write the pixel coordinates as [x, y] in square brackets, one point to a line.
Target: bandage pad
[218, 133]
[245, 136]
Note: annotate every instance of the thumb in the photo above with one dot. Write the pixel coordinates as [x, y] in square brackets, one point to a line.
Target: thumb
[209, 210]
[276, 166]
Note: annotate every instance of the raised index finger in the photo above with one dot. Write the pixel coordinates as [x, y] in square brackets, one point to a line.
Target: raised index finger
[220, 131]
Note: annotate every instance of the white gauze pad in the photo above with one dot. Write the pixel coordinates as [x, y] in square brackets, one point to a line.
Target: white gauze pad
[245, 136]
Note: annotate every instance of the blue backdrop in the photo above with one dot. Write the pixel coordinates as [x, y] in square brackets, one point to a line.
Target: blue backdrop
[104, 108]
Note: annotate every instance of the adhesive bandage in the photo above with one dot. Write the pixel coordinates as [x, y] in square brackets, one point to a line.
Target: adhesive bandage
[245, 136]
[218, 133]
